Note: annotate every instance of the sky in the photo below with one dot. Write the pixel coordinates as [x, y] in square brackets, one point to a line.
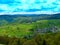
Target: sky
[29, 6]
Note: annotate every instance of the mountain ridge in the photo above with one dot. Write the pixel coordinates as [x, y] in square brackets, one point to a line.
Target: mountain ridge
[10, 18]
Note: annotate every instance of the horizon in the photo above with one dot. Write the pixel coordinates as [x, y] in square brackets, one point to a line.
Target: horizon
[38, 12]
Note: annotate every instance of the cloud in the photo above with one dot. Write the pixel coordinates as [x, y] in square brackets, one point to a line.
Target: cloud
[29, 5]
[37, 12]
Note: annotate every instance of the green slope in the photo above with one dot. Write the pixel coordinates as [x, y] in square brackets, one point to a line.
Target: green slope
[20, 30]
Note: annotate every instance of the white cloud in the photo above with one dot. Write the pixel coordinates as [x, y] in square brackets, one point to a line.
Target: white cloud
[43, 5]
[37, 12]
[3, 7]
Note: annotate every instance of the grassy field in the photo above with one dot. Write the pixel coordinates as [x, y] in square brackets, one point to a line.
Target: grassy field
[22, 29]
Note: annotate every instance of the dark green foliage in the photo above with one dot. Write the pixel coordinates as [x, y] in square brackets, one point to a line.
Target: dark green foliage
[21, 41]
[13, 41]
[30, 42]
[38, 38]
[45, 39]
[4, 40]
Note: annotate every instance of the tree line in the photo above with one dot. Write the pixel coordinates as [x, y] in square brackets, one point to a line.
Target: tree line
[45, 39]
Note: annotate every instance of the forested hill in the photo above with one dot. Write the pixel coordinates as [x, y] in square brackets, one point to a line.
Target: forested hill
[30, 17]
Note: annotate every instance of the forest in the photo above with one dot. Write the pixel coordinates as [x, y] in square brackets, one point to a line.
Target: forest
[29, 30]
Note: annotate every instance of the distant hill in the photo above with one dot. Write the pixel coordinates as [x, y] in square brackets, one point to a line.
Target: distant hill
[33, 17]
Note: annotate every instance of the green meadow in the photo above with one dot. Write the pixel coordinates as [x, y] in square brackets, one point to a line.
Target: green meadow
[22, 29]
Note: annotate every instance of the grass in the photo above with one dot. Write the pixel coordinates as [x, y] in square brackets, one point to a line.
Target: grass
[20, 30]
[15, 30]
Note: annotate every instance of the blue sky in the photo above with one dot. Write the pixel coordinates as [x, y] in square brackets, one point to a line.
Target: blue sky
[29, 6]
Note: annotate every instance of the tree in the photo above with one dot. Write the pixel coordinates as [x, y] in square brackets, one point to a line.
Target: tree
[39, 40]
[13, 41]
[30, 42]
[21, 41]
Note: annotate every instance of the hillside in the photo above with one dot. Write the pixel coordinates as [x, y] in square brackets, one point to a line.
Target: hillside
[20, 23]
[30, 17]
[42, 29]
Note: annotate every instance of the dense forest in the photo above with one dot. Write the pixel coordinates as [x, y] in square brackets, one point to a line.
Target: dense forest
[30, 29]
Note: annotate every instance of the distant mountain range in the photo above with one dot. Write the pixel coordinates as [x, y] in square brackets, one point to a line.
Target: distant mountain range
[11, 18]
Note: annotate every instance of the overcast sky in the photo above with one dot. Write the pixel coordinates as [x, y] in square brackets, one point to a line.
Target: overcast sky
[44, 6]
